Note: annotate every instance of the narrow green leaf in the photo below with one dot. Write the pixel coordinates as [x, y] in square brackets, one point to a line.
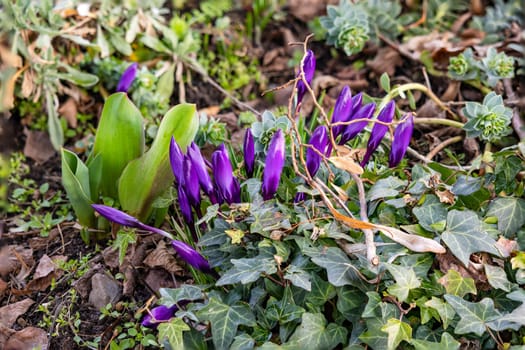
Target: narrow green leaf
[172, 331]
[77, 77]
[397, 332]
[166, 84]
[385, 82]
[465, 235]
[56, 134]
[152, 170]
[510, 212]
[119, 140]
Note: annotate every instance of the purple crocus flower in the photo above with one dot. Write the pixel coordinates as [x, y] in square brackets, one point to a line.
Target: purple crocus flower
[158, 315]
[249, 152]
[308, 64]
[227, 185]
[273, 165]
[199, 165]
[379, 130]
[342, 110]
[127, 78]
[351, 130]
[177, 161]
[191, 182]
[402, 136]
[186, 252]
[185, 206]
[191, 256]
[357, 100]
[319, 140]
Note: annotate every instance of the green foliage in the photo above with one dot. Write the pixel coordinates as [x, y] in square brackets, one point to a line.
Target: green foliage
[498, 18]
[489, 121]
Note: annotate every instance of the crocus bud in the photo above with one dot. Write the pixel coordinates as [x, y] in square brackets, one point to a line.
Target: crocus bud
[184, 204]
[273, 165]
[351, 130]
[191, 256]
[402, 136]
[158, 315]
[199, 165]
[127, 78]
[176, 161]
[249, 152]
[299, 197]
[191, 183]
[227, 185]
[319, 140]
[342, 110]
[357, 101]
[308, 64]
[117, 216]
[379, 130]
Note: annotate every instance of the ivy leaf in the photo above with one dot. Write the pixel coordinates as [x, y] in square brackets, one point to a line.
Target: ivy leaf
[313, 333]
[510, 212]
[447, 343]
[298, 277]
[172, 331]
[247, 270]
[172, 296]
[458, 285]
[397, 332]
[349, 298]
[497, 277]
[339, 268]
[388, 187]
[465, 235]
[445, 311]
[430, 213]
[474, 316]
[225, 319]
[242, 342]
[406, 280]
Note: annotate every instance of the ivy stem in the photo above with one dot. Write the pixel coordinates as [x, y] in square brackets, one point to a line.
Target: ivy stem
[416, 86]
[439, 121]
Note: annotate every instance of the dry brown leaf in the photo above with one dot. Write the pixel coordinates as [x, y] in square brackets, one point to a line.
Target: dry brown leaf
[211, 110]
[506, 246]
[7, 90]
[446, 196]
[9, 313]
[38, 146]
[28, 338]
[9, 58]
[3, 287]
[162, 257]
[386, 61]
[12, 258]
[347, 164]
[28, 85]
[412, 242]
[45, 273]
[69, 111]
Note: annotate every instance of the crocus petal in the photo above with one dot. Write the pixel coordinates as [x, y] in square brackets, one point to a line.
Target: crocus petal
[319, 140]
[308, 63]
[176, 161]
[158, 315]
[299, 197]
[191, 182]
[191, 256]
[227, 185]
[357, 101]
[185, 206]
[402, 136]
[351, 130]
[249, 152]
[127, 78]
[273, 165]
[379, 130]
[342, 110]
[199, 165]
[117, 216]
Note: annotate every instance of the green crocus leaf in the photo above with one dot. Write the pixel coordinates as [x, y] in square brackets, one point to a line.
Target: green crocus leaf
[225, 319]
[172, 332]
[147, 177]
[75, 178]
[465, 235]
[474, 316]
[119, 140]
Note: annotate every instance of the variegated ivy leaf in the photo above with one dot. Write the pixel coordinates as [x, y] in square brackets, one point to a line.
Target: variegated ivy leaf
[474, 317]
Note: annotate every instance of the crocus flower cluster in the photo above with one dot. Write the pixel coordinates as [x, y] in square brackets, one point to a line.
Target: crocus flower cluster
[185, 251]
[127, 78]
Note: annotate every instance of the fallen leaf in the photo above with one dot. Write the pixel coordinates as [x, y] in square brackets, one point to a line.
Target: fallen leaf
[159, 278]
[162, 257]
[306, 10]
[69, 111]
[445, 196]
[45, 273]
[210, 111]
[3, 287]
[38, 146]
[9, 313]
[12, 258]
[386, 61]
[28, 338]
[347, 164]
[506, 246]
[413, 242]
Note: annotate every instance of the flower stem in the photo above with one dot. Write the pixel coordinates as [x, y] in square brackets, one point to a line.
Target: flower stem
[439, 121]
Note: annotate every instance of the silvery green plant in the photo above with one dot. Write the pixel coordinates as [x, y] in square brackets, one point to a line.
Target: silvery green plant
[490, 120]
[464, 66]
[347, 26]
[263, 131]
[497, 66]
